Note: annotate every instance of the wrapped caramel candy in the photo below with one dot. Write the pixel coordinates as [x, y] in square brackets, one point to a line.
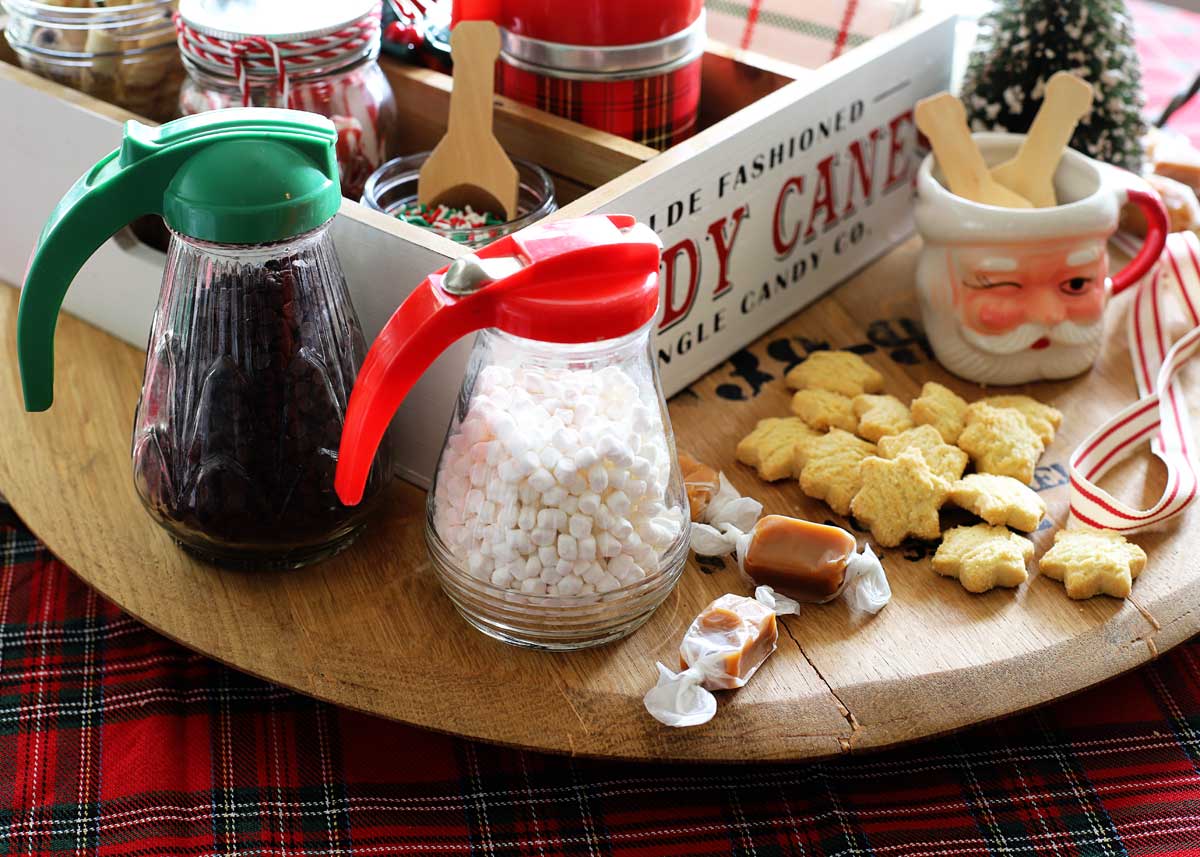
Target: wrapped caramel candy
[700, 482]
[812, 563]
[807, 562]
[724, 646]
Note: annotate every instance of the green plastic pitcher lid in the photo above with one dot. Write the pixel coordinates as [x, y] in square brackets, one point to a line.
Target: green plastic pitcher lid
[242, 176]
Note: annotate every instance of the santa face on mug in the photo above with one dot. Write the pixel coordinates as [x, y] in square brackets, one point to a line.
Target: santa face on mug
[1022, 311]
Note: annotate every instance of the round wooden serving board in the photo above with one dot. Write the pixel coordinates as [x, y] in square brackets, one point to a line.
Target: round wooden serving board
[371, 630]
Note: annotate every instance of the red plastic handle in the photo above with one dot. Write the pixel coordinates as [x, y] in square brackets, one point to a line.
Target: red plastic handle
[1157, 226]
[582, 280]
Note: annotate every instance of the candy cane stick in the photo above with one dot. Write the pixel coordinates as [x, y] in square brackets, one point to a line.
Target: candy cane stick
[1160, 415]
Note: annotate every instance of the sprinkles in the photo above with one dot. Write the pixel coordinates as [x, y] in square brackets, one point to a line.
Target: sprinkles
[446, 218]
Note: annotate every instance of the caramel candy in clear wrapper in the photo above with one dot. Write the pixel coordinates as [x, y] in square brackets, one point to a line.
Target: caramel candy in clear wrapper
[700, 482]
[799, 559]
[733, 633]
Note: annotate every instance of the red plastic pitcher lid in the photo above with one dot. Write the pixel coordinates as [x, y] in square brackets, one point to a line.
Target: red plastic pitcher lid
[570, 281]
[590, 22]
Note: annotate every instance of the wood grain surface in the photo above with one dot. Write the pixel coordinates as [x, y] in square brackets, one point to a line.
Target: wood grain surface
[371, 630]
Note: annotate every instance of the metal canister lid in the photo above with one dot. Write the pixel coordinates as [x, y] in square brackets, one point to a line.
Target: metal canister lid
[277, 20]
[614, 62]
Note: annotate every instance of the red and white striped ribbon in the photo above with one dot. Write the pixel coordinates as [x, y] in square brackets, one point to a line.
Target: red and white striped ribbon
[1161, 414]
[244, 56]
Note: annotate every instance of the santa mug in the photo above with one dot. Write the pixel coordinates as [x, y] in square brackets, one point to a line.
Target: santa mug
[1015, 295]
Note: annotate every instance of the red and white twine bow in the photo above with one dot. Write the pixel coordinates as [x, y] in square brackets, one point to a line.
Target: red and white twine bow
[256, 53]
[1161, 414]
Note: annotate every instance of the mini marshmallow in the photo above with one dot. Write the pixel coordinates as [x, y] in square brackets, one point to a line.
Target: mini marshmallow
[502, 550]
[608, 545]
[607, 583]
[533, 586]
[618, 503]
[589, 504]
[621, 566]
[501, 577]
[525, 570]
[519, 541]
[585, 458]
[541, 479]
[554, 496]
[543, 537]
[580, 525]
[587, 548]
[551, 519]
[621, 529]
[597, 477]
[569, 586]
[548, 555]
[564, 470]
[527, 519]
[568, 548]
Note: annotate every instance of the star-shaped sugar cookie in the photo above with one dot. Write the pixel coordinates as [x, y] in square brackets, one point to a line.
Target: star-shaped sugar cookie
[879, 416]
[999, 500]
[1093, 562]
[983, 557]
[900, 497]
[1042, 418]
[770, 448]
[945, 460]
[829, 467]
[823, 410]
[942, 408]
[999, 440]
[837, 371]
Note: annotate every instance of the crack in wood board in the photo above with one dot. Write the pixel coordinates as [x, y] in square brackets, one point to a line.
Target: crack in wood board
[845, 743]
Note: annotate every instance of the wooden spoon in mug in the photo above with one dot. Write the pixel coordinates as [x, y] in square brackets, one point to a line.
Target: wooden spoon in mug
[943, 120]
[1031, 171]
[469, 166]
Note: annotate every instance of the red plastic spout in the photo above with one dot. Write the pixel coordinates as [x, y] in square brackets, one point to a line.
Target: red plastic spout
[571, 281]
[476, 10]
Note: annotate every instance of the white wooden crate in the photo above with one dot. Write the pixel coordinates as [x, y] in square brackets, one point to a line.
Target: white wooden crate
[750, 238]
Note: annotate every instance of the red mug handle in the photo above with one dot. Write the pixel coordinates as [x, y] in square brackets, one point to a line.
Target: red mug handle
[1157, 226]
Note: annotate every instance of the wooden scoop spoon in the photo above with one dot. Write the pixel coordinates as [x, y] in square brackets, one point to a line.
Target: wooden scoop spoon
[943, 120]
[469, 166]
[1031, 171]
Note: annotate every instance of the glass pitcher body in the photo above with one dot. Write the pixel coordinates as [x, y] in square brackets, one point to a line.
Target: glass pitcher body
[250, 362]
[557, 517]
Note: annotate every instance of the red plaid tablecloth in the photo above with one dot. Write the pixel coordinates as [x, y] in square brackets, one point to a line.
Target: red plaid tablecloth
[115, 741]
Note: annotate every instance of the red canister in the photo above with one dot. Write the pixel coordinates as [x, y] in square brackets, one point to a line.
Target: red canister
[625, 66]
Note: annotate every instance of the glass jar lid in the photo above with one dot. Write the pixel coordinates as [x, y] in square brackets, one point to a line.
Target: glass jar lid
[277, 20]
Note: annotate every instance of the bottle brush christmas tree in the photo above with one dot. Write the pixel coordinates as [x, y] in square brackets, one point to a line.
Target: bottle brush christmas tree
[1023, 42]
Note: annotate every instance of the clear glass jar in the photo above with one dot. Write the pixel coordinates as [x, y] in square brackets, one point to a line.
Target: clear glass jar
[250, 363]
[352, 91]
[123, 54]
[557, 518]
[393, 187]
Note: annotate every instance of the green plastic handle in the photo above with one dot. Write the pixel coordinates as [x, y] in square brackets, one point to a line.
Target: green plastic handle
[239, 176]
